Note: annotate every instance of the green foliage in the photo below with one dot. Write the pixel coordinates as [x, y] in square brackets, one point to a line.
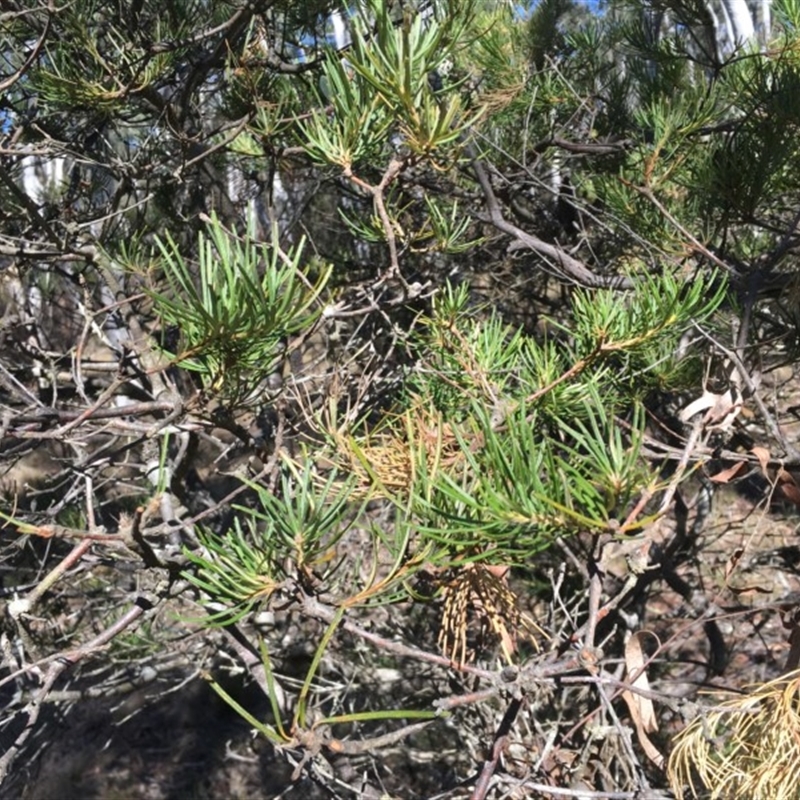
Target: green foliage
[357, 124]
[525, 441]
[292, 533]
[787, 14]
[446, 228]
[383, 87]
[233, 314]
[97, 66]
[640, 334]
[546, 37]
[516, 490]
[465, 356]
[297, 535]
[533, 446]
[508, 443]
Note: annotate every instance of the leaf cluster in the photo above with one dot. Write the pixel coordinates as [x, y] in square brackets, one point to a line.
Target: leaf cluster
[291, 533]
[234, 307]
[504, 444]
[383, 88]
[508, 442]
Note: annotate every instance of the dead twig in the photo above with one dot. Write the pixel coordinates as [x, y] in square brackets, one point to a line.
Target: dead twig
[63, 662]
[500, 739]
[571, 267]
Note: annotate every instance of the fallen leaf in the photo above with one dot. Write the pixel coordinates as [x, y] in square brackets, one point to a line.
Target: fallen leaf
[727, 474]
[725, 410]
[762, 454]
[636, 674]
[641, 707]
[788, 486]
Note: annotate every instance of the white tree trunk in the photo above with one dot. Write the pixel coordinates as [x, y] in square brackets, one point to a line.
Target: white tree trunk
[741, 28]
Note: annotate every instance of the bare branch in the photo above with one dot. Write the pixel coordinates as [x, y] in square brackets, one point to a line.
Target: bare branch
[571, 267]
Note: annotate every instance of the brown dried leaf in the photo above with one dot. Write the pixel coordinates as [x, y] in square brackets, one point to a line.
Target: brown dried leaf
[788, 487]
[724, 411]
[762, 454]
[728, 474]
[721, 409]
[640, 707]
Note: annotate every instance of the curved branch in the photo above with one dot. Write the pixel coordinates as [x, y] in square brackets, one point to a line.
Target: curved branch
[571, 267]
[11, 80]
